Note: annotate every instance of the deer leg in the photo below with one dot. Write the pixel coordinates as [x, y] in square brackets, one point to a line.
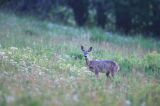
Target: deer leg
[112, 73]
[97, 73]
[108, 75]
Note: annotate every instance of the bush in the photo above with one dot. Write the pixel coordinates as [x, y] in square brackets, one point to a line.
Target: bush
[151, 62]
[129, 63]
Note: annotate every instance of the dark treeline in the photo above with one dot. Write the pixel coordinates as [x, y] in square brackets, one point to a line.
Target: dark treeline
[140, 16]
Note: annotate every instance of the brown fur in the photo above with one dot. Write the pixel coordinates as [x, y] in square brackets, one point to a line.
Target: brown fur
[103, 66]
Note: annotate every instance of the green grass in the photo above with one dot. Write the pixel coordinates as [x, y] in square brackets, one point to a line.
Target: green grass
[41, 64]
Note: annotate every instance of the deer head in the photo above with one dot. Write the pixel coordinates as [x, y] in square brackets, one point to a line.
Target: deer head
[85, 52]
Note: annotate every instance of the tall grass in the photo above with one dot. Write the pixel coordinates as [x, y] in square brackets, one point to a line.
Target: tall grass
[41, 64]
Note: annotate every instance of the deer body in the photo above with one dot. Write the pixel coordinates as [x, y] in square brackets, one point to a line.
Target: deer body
[103, 66]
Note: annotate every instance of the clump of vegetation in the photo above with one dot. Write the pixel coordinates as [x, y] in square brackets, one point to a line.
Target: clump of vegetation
[152, 61]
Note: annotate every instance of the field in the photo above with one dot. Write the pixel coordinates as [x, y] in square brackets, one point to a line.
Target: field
[41, 64]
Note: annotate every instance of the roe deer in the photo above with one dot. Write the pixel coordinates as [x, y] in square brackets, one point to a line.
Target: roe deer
[104, 66]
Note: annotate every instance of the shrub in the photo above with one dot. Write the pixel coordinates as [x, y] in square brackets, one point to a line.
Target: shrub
[151, 62]
[129, 63]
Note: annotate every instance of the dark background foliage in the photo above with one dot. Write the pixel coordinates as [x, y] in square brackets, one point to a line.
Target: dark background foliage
[127, 16]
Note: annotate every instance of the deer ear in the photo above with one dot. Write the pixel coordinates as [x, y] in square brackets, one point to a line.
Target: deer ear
[90, 49]
[82, 48]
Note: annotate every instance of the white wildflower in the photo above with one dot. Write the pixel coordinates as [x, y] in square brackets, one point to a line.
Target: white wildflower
[25, 69]
[128, 103]
[11, 60]
[47, 69]
[66, 56]
[56, 82]
[40, 73]
[10, 53]
[5, 57]
[2, 53]
[61, 79]
[14, 48]
[75, 97]
[84, 68]
[10, 99]
[22, 63]
[72, 78]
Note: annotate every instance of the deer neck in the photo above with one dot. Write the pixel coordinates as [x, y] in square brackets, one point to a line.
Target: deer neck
[87, 61]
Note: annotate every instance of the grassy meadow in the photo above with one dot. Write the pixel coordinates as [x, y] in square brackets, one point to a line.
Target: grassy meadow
[41, 64]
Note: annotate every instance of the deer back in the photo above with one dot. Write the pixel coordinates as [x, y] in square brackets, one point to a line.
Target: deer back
[103, 66]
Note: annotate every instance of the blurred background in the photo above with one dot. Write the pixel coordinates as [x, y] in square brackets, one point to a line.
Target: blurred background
[126, 16]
